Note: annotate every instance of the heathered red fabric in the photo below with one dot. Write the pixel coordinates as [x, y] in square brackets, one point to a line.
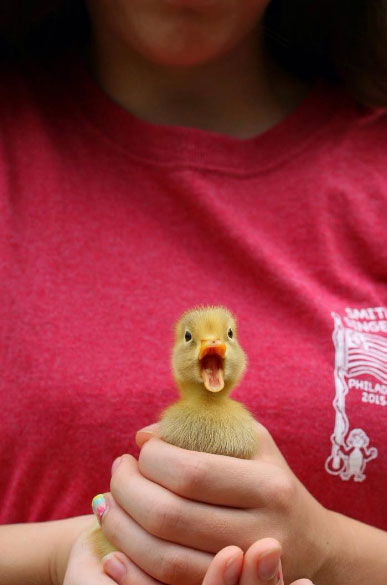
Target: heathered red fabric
[110, 227]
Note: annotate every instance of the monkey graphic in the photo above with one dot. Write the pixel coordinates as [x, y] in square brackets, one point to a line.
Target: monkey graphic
[356, 455]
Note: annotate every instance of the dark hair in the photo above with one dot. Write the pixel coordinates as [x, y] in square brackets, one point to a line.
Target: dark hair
[41, 28]
[342, 41]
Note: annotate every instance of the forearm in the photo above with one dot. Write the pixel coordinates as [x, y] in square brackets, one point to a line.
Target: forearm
[359, 554]
[37, 553]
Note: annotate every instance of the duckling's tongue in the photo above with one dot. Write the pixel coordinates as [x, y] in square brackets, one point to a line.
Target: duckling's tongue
[211, 373]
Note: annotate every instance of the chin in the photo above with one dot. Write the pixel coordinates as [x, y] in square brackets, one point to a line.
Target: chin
[186, 54]
[179, 61]
[173, 34]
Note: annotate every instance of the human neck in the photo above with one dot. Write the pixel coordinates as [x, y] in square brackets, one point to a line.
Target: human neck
[241, 94]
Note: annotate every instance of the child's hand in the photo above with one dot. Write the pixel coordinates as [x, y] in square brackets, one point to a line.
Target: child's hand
[83, 567]
[174, 509]
[259, 566]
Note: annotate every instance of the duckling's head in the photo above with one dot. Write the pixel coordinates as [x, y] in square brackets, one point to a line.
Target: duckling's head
[206, 356]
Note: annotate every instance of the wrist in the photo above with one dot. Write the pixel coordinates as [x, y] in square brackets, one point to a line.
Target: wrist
[355, 553]
[66, 534]
[319, 543]
[330, 550]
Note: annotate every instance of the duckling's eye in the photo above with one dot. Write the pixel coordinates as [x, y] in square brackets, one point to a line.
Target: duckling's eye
[230, 333]
[187, 336]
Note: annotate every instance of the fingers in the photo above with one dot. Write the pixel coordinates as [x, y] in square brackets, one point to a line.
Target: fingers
[228, 567]
[261, 565]
[176, 519]
[214, 479]
[84, 568]
[144, 434]
[86, 572]
[225, 568]
[166, 562]
[268, 448]
[124, 571]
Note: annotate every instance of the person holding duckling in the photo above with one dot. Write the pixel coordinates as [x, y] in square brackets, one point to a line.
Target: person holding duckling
[207, 362]
[187, 152]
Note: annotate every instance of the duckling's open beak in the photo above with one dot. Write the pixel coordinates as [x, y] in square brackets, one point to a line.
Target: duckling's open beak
[211, 356]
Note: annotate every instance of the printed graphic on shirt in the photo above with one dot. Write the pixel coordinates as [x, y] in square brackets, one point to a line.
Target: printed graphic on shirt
[360, 340]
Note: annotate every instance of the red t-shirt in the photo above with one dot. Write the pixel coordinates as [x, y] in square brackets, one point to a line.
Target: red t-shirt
[110, 227]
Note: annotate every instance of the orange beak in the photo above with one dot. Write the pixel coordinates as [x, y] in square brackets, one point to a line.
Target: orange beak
[211, 356]
[208, 347]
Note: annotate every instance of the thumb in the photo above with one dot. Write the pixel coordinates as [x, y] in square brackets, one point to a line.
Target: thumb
[146, 433]
[262, 565]
[225, 567]
[124, 572]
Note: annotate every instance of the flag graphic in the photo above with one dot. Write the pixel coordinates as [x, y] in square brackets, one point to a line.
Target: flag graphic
[366, 354]
[356, 354]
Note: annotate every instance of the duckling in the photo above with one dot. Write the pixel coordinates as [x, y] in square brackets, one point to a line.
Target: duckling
[207, 362]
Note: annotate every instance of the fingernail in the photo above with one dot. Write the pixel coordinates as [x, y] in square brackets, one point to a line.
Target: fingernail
[279, 574]
[268, 565]
[99, 505]
[147, 429]
[114, 567]
[143, 435]
[232, 570]
[115, 464]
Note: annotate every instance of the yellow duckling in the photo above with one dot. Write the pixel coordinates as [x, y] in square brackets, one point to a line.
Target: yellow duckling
[207, 362]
